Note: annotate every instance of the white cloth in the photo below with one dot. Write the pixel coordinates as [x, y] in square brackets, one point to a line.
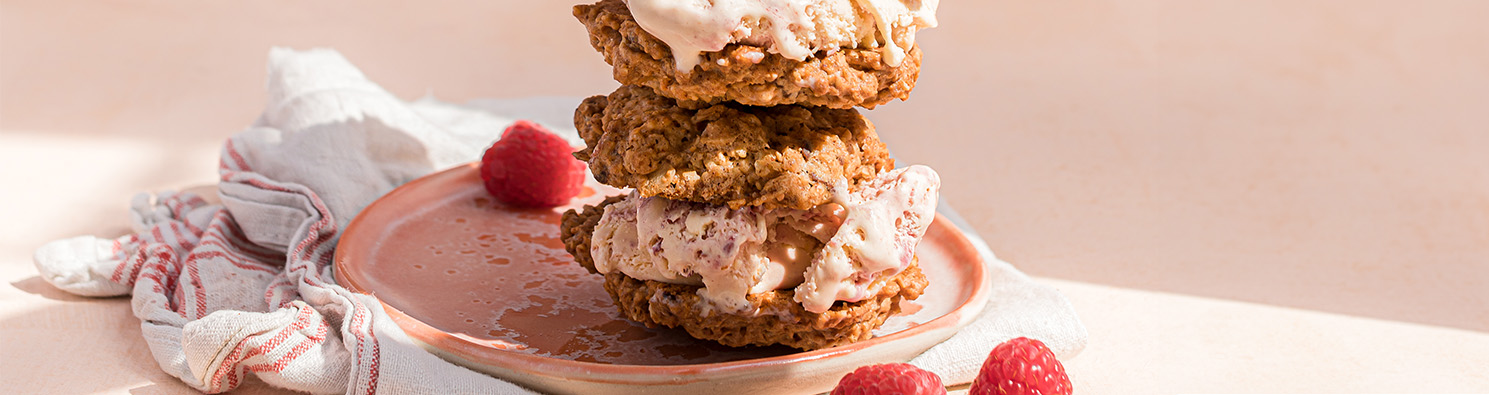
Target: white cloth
[1017, 307]
[245, 286]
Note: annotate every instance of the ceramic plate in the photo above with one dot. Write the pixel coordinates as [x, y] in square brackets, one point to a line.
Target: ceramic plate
[490, 287]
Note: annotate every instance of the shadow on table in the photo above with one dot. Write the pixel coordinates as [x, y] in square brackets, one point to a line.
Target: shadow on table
[81, 334]
[250, 385]
[36, 286]
[1437, 289]
[1366, 227]
[75, 334]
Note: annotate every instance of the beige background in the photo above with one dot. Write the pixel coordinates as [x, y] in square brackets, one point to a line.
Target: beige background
[1237, 196]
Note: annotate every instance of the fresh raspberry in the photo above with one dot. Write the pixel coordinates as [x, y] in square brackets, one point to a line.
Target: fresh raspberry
[889, 378]
[531, 167]
[1021, 366]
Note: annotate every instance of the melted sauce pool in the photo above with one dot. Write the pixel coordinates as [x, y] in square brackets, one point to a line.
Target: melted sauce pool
[449, 255]
[470, 265]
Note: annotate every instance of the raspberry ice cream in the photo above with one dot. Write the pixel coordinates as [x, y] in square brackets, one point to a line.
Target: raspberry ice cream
[829, 253]
[885, 221]
[792, 28]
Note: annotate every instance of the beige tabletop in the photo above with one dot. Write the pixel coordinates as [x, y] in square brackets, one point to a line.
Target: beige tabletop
[1237, 196]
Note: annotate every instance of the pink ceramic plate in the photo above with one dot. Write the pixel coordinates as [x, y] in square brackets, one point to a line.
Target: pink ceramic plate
[491, 288]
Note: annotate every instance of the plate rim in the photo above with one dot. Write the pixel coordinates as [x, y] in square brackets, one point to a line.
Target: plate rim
[509, 359]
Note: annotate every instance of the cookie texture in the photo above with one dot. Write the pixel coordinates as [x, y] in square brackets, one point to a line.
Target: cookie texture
[748, 74]
[780, 319]
[577, 226]
[727, 154]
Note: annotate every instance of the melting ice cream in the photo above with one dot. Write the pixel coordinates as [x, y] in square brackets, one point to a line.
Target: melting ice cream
[829, 253]
[792, 28]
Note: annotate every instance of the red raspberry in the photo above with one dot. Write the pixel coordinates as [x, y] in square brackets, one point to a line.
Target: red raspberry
[531, 167]
[1021, 366]
[889, 378]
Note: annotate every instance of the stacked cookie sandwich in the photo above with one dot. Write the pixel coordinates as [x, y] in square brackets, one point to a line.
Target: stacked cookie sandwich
[764, 209]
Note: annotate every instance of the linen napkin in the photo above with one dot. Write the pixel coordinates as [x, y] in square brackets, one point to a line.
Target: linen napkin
[244, 286]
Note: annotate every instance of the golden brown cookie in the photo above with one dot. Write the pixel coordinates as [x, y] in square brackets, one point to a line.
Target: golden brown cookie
[728, 154]
[781, 320]
[578, 225]
[745, 73]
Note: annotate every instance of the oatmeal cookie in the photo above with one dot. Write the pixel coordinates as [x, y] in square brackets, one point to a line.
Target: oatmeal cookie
[748, 74]
[578, 225]
[781, 320]
[727, 154]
